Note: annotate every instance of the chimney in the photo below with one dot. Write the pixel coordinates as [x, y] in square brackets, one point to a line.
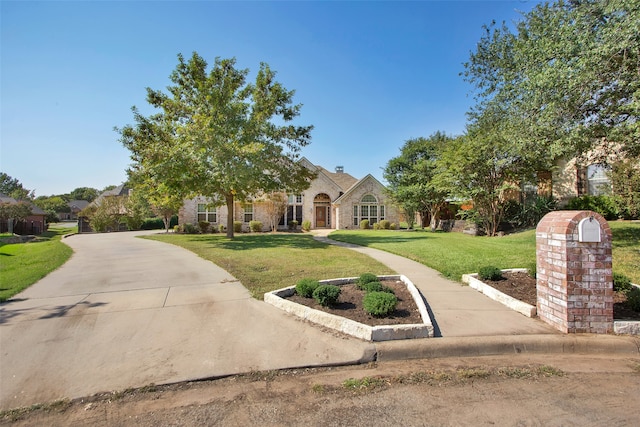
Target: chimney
[339, 169]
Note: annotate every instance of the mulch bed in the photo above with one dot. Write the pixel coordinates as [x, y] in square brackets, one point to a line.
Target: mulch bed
[522, 287]
[350, 305]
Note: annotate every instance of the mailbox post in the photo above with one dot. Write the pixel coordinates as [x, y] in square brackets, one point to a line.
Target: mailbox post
[574, 275]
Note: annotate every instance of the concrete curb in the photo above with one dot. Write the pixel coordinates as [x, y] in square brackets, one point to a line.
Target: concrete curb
[505, 345]
[521, 307]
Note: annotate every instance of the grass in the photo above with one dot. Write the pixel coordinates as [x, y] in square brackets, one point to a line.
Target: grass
[23, 264]
[455, 254]
[266, 262]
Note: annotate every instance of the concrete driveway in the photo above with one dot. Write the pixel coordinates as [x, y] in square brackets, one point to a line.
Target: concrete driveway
[127, 312]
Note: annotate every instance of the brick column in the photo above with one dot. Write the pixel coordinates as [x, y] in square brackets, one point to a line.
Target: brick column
[574, 276]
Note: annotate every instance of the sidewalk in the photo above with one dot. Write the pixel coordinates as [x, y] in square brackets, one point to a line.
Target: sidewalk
[457, 310]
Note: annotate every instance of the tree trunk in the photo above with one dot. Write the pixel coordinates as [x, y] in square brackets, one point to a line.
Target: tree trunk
[166, 222]
[229, 198]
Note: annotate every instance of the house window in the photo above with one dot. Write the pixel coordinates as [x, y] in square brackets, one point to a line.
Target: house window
[370, 209]
[247, 209]
[207, 213]
[597, 180]
[294, 210]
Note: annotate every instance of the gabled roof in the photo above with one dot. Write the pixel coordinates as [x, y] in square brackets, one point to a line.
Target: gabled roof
[35, 210]
[351, 189]
[342, 180]
[79, 204]
[121, 190]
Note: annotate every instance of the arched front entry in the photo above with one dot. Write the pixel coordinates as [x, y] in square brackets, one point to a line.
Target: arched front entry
[322, 211]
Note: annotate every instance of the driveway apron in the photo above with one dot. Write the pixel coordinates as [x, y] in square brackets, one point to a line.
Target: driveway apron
[128, 312]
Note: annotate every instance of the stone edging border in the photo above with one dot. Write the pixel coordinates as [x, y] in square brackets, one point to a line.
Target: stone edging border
[350, 327]
[514, 304]
[627, 327]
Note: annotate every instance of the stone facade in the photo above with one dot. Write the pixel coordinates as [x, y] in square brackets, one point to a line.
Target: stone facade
[574, 274]
[327, 203]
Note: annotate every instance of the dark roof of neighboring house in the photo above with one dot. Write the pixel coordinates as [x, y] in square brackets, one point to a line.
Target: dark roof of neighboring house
[120, 190]
[35, 210]
[78, 204]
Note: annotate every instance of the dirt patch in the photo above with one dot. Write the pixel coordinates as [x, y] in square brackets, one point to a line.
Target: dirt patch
[522, 287]
[350, 305]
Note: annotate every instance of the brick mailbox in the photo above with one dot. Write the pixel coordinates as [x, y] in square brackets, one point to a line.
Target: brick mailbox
[574, 277]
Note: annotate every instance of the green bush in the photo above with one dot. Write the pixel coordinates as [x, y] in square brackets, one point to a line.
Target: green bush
[621, 283]
[379, 304]
[255, 226]
[326, 295]
[385, 224]
[177, 229]
[490, 272]
[152, 224]
[306, 225]
[364, 279]
[237, 227]
[189, 228]
[376, 226]
[222, 228]
[604, 205]
[633, 299]
[305, 287]
[393, 226]
[204, 226]
[376, 287]
[293, 225]
[364, 224]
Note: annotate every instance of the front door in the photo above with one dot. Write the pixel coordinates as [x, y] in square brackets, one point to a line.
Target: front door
[321, 216]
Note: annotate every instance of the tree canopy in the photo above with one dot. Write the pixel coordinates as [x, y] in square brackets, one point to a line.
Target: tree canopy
[217, 135]
[567, 77]
[12, 187]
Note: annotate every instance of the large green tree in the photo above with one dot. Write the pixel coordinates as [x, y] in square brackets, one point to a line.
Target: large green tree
[216, 135]
[84, 193]
[410, 177]
[567, 76]
[13, 188]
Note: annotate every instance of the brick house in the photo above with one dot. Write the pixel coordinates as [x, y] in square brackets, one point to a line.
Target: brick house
[334, 200]
[36, 223]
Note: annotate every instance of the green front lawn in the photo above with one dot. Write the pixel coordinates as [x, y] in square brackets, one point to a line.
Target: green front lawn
[23, 264]
[455, 254]
[266, 262]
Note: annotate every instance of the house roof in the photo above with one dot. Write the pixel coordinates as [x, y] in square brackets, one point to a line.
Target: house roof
[121, 190]
[350, 190]
[35, 210]
[78, 204]
[341, 179]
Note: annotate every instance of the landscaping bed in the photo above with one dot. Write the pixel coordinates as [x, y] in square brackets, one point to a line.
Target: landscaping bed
[349, 305]
[522, 287]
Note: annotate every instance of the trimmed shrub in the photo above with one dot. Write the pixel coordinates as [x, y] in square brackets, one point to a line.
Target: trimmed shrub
[176, 229]
[364, 279]
[305, 287]
[222, 228]
[393, 226]
[255, 226]
[293, 225]
[490, 272]
[385, 224]
[237, 227]
[621, 283]
[204, 226]
[189, 228]
[604, 205]
[152, 224]
[306, 225]
[379, 304]
[364, 224]
[376, 287]
[376, 226]
[326, 295]
[633, 299]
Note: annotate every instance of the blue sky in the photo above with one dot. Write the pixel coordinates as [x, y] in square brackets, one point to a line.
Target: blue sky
[370, 74]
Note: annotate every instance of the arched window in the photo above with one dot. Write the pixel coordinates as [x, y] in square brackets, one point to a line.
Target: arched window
[369, 209]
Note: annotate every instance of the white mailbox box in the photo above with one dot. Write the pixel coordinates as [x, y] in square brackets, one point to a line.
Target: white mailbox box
[589, 230]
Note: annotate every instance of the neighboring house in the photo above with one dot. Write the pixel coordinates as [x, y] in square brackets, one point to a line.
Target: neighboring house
[334, 200]
[84, 225]
[36, 223]
[75, 206]
[573, 179]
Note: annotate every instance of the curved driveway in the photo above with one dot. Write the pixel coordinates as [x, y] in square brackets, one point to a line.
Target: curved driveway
[127, 312]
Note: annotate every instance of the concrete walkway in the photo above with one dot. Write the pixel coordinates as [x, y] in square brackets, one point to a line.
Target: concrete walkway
[457, 310]
[127, 312]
